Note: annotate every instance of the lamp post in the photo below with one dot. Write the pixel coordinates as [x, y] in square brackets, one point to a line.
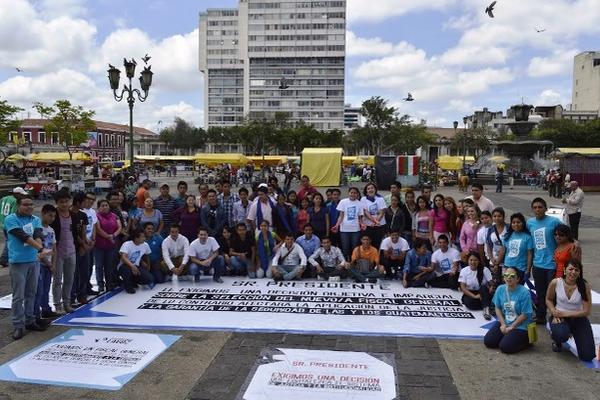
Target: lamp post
[114, 74]
[464, 140]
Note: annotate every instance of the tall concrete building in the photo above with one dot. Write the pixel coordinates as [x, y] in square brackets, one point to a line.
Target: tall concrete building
[247, 53]
[586, 82]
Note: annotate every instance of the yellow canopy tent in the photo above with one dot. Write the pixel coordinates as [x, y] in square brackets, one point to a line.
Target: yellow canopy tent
[58, 157]
[15, 158]
[369, 160]
[272, 161]
[322, 166]
[454, 162]
[164, 158]
[223, 158]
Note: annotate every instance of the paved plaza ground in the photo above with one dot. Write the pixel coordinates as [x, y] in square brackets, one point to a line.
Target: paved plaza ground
[214, 365]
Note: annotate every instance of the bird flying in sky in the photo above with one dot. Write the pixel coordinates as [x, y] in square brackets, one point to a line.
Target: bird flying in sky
[540, 30]
[18, 69]
[409, 97]
[490, 9]
[146, 58]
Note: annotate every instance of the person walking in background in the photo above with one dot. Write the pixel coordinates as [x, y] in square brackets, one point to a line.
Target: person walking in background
[573, 207]
[8, 205]
[499, 179]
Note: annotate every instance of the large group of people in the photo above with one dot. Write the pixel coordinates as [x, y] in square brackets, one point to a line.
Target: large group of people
[422, 240]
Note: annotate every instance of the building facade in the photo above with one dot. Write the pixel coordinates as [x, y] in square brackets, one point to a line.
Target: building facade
[586, 82]
[352, 117]
[274, 56]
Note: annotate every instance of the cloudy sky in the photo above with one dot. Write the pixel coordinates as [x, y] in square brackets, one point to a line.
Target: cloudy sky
[448, 53]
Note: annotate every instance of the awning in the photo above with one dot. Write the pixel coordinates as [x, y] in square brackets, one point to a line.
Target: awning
[272, 161]
[58, 157]
[454, 162]
[164, 158]
[223, 158]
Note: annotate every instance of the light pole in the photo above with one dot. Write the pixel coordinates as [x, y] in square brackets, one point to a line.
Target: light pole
[114, 75]
[464, 140]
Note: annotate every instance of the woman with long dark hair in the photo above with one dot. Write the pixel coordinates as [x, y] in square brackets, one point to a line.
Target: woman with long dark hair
[188, 218]
[374, 211]
[474, 283]
[517, 247]
[569, 300]
[454, 224]
[421, 222]
[394, 215]
[318, 216]
[439, 223]
[565, 249]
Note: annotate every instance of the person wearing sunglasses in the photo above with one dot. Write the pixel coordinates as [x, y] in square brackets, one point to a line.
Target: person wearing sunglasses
[514, 311]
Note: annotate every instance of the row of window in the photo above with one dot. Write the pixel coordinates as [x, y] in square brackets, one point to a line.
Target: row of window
[300, 16]
[225, 118]
[300, 4]
[221, 42]
[297, 93]
[287, 38]
[223, 32]
[279, 49]
[261, 72]
[225, 72]
[222, 13]
[104, 139]
[232, 22]
[299, 26]
[296, 82]
[225, 82]
[278, 62]
[226, 109]
[224, 61]
[293, 103]
[212, 52]
[225, 101]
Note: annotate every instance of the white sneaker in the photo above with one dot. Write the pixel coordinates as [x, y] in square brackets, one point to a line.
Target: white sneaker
[486, 313]
[334, 279]
[59, 309]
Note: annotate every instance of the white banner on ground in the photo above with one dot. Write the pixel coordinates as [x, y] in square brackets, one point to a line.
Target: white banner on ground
[263, 305]
[298, 374]
[86, 358]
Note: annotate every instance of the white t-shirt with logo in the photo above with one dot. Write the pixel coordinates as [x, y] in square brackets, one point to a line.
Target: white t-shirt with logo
[203, 251]
[135, 252]
[352, 209]
[92, 219]
[373, 208]
[400, 246]
[445, 260]
[469, 277]
[482, 234]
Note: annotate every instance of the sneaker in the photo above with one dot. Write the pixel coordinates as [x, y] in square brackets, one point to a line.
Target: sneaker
[130, 290]
[93, 292]
[59, 309]
[18, 333]
[218, 280]
[334, 279]
[427, 285]
[556, 347]
[486, 313]
[35, 327]
[69, 309]
[320, 278]
[50, 314]
[372, 280]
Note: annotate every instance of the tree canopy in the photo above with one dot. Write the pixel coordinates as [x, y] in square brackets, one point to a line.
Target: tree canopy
[566, 133]
[8, 120]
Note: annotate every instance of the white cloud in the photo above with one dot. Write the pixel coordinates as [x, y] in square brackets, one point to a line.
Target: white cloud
[550, 97]
[36, 44]
[357, 46]
[461, 106]
[183, 110]
[475, 55]
[559, 62]
[378, 10]
[174, 59]
[58, 8]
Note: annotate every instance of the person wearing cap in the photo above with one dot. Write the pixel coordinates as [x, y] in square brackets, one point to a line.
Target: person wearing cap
[8, 205]
[143, 193]
[261, 208]
[573, 206]
[166, 204]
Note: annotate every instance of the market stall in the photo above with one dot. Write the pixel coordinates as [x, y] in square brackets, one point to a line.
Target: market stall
[211, 160]
[583, 164]
[454, 163]
[322, 166]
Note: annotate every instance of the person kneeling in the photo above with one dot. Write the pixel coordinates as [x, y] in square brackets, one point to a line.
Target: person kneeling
[365, 262]
[474, 283]
[514, 311]
[289, 261]
[328, 261]
[417, 267]
[204, 256]
[134, 268]
[569, 301]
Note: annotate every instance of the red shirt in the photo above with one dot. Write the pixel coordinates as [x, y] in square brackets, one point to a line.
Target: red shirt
[302, 193]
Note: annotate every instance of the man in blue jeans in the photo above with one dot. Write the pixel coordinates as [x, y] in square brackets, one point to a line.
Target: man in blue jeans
[204, 256]
[24, 242]
[542, 228]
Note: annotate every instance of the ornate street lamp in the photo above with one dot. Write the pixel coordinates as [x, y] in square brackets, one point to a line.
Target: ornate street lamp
[114, 75]
[464, 142]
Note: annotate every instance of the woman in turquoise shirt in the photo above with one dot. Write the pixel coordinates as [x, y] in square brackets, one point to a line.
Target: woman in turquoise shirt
[517, 247]
[514, 312]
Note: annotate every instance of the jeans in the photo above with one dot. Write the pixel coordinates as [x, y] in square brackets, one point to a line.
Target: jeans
[328, 272]
[62, 280]
[240, 266]
[574, 224]
[4, 256]
[362, 277]
[542, 278]
[581, 330]
[160, 271]
[217, 265]
[130, 280]
[24, 280]
[289, 272]
[513, 342]
[349, 240]
[420, 281]
[478, 304]
[81, 279]
[42, 296]
[445, 281]
[106, 268]
[392, 267]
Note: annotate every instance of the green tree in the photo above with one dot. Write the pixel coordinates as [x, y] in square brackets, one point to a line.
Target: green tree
[479, 139]
[566, 133]
[69, 122]
[183, 135]
[8, 122]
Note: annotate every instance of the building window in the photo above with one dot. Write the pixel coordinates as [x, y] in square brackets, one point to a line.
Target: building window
[596, 62]
[27, 137]
[100, 139]
[41, 137]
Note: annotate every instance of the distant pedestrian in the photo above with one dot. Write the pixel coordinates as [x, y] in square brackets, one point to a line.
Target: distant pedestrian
[574, 206]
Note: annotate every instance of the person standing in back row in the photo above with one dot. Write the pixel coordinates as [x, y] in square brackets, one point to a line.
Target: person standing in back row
[573, 207]
[142, 193]
[8, 205]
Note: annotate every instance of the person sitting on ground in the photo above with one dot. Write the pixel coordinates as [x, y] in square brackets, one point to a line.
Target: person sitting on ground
[224, 240]
[154, 240]
[417, 265]
[175, 251]
[365, 262]
[134, 268]
[514, 311]
[569, 301]
[289, 261]
[309, 243]
[393, 251]
[328, 260]
[242, 250]
[474, 280]
[204, 256]
[267, 244]
[445, 261]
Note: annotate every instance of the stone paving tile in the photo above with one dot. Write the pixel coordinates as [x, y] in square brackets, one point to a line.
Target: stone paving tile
[421, 371]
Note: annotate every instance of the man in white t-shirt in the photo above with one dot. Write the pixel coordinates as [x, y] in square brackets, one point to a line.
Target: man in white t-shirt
[204, 256]
[134, 266]
[392, 252]
[482, 202]
[445, 261]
